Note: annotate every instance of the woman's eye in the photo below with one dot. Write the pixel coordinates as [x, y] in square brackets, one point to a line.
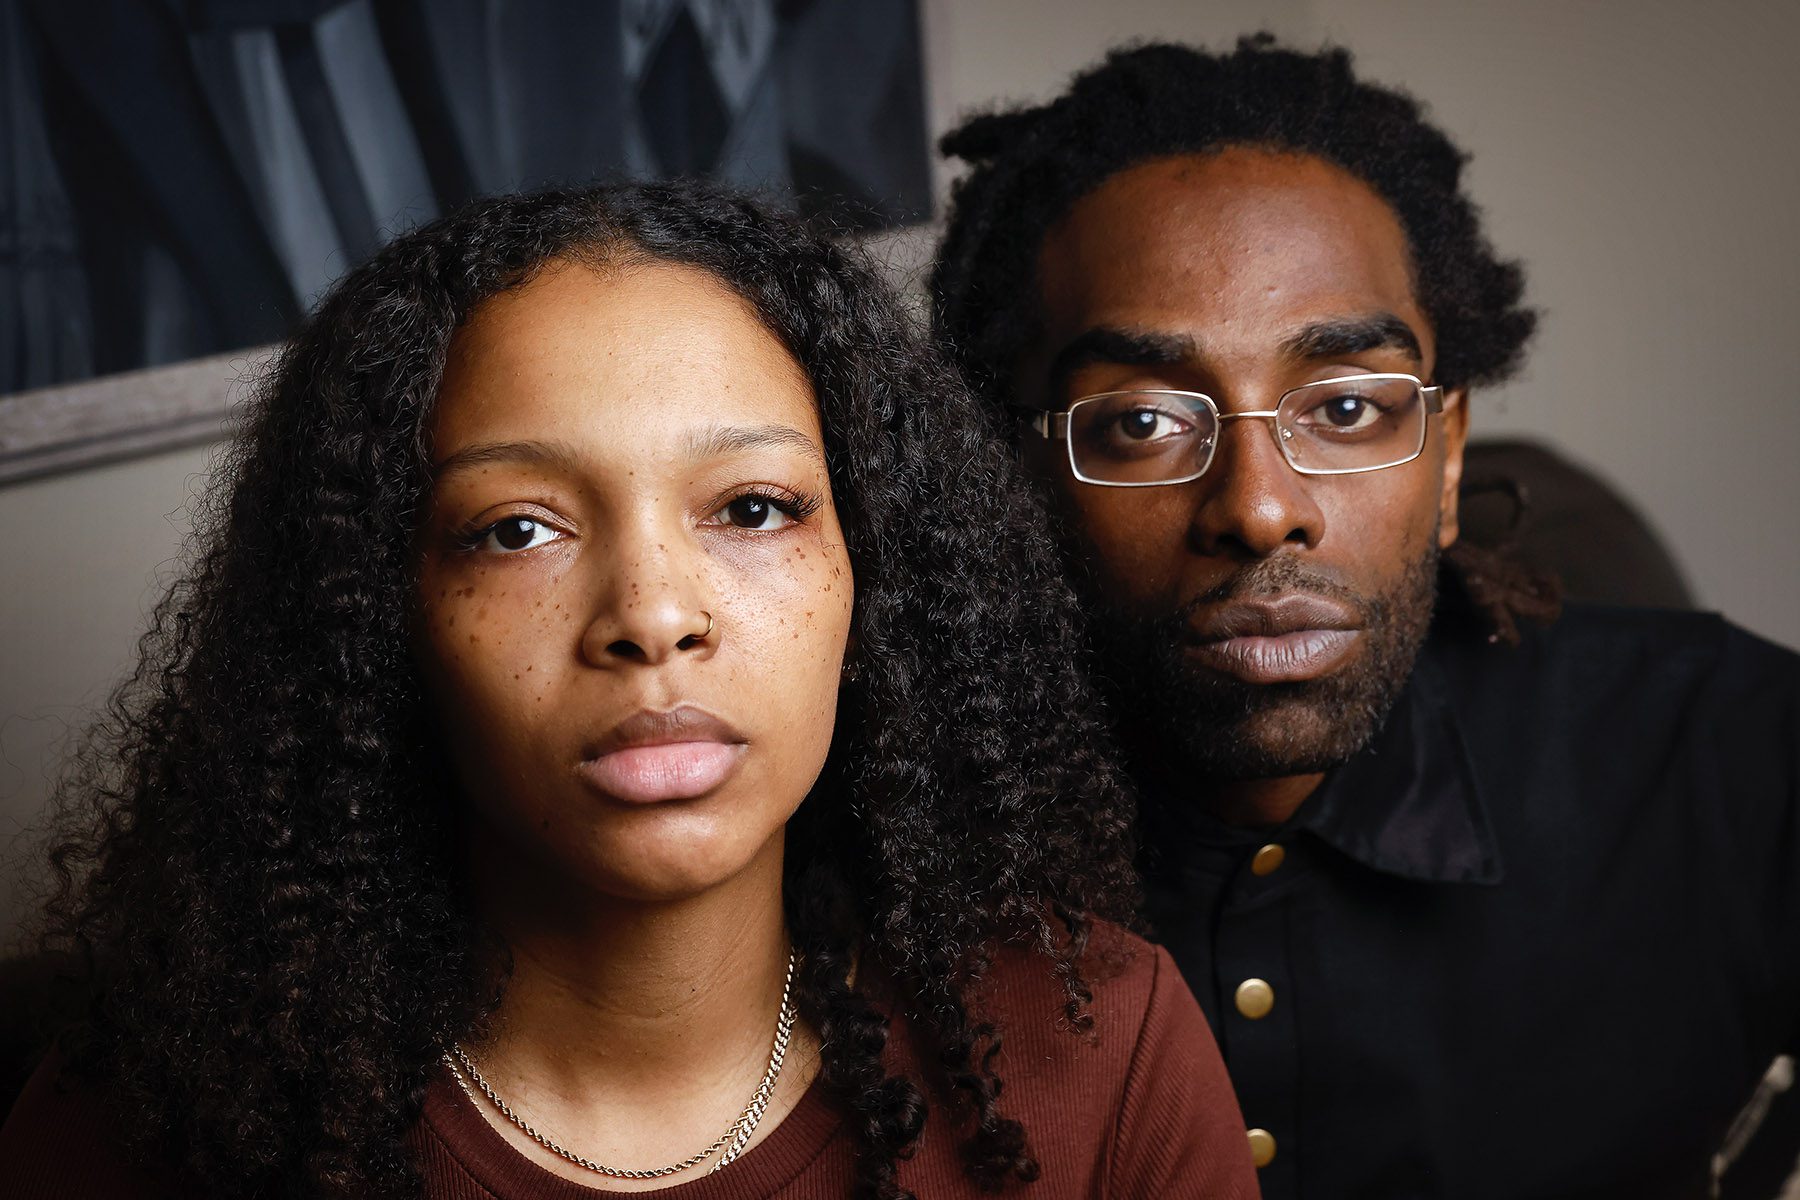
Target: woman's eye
[755, 512]
[514, 534]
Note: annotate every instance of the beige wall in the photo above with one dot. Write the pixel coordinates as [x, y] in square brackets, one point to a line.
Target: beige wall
[1638, 156]
[85, 557]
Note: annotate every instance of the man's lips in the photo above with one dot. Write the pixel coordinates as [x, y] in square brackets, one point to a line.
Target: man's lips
[652, 756]
[1285, 658]
[1282, 639]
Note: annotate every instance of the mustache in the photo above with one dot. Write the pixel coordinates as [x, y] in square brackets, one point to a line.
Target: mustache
[1266, 579]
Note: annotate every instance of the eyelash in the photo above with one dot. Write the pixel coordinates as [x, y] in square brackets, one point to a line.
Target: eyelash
[796, 506]
[469, 538]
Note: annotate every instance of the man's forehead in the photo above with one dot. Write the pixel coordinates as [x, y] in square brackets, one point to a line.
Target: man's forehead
[1237, 245]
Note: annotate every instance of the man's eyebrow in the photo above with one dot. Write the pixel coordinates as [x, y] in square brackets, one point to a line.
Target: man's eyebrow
[547, 454]
[722, 440]
[1354, 335]
[1110, 344]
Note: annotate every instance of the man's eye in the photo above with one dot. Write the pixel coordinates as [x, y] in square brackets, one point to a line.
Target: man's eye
[512, 534]
[1147, 424]
[1347, 411]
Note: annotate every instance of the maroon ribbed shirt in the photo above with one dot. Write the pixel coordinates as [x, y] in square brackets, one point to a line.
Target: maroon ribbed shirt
[1141, 1109]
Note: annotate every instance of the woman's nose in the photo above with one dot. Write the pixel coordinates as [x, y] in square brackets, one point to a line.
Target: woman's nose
[651, 608]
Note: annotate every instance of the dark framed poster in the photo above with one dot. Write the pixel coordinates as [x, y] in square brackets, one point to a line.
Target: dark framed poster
[182, 178]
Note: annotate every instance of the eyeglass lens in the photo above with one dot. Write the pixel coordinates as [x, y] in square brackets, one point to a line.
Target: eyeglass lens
[1362, 423]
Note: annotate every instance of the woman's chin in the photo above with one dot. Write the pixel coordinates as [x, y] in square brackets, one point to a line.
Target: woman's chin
[565, 847]
[663, 865]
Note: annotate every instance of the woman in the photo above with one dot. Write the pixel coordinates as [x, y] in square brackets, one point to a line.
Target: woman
[622, 725]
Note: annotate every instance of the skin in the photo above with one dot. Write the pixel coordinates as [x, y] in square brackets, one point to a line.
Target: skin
[1226, 257]
[622, 410]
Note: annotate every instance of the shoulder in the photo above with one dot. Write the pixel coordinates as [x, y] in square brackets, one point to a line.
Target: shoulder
[1127, 980]
[1700, 641]
[60, 1140]
[1678, 726]
[1604, 661]
[1138, 1103]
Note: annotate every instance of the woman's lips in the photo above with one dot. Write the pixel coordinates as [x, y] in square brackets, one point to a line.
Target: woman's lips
[1279, 658]
[677, 754]
[664, 771]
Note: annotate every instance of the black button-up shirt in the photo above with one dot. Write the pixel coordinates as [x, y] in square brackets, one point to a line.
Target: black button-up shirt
[1540, 939]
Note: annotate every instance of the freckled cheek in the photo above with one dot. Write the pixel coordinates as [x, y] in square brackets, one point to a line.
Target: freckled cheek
[791, 621]
[493, 637]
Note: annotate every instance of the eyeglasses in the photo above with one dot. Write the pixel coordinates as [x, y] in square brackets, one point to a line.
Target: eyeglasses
[1332, 427]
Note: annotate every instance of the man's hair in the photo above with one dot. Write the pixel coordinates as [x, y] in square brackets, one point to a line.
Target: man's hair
[1030, 165]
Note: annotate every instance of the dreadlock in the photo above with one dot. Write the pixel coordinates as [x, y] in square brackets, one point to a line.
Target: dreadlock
[1031, 164]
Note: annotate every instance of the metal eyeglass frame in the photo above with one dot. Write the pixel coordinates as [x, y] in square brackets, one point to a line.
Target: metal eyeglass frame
[1054, 426]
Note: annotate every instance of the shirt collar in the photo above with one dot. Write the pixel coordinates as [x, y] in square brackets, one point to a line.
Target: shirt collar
[1408, 804]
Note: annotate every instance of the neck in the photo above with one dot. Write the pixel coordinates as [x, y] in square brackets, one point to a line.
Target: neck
[1260, 803]
[1247, 803]
[633, 998]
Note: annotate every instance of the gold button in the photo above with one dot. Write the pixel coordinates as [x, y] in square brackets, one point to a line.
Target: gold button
[1255, 998]
[1268, 860]
[1262, 1146]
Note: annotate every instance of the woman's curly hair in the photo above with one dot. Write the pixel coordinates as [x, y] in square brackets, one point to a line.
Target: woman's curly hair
[1030, 165]
[268, 902]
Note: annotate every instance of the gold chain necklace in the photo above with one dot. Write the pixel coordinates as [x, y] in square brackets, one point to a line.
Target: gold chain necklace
[732, 1141]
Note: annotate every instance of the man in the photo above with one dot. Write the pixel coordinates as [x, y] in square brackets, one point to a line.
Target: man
[1481, 902]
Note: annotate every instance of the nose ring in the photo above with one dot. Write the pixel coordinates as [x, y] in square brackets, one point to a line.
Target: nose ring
[709, 626]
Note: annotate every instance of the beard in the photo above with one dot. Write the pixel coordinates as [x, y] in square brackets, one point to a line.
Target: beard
[1177, 719]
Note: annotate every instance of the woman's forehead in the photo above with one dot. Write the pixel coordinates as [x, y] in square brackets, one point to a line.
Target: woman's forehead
[626, 357]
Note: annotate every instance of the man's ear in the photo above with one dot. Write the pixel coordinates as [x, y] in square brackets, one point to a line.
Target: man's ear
[1455, 423]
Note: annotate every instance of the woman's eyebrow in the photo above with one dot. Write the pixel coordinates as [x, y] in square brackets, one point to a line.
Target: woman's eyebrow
[719, 441]
[556, 455]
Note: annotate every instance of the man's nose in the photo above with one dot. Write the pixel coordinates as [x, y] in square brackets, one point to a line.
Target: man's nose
[1251, 502]
[651, 602]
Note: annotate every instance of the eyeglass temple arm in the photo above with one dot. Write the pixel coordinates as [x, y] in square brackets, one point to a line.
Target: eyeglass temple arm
[1051, 425]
